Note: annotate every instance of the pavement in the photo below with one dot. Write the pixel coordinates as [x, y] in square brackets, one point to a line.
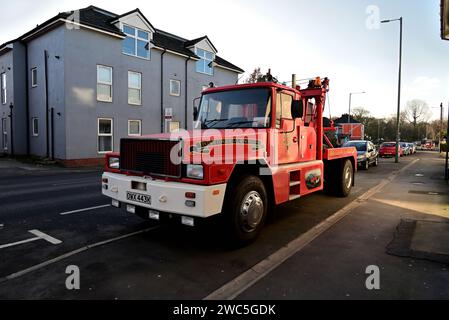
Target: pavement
[121, 257]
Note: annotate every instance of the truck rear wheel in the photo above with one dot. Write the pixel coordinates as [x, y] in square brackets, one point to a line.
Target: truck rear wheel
[345, 179]
[245, 210]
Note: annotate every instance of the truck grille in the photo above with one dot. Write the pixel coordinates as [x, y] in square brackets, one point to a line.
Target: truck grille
[151, 157]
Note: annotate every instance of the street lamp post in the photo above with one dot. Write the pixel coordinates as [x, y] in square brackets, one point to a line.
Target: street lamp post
[399, 85]
[350, 100]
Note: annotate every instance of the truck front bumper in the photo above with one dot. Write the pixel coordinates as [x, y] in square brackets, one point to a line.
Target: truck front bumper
[163, 196]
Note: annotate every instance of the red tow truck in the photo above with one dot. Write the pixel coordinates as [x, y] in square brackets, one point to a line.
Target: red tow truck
[253, 146]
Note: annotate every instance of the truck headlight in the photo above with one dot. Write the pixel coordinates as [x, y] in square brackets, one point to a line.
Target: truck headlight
[195, 171]
[114, 162]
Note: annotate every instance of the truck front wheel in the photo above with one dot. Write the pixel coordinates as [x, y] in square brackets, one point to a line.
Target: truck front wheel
[245, 210]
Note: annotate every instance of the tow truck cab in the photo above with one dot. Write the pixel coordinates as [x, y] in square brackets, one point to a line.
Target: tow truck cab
[253, 146]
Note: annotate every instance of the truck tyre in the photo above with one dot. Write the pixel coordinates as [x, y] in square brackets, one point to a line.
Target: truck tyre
[345, 179]
[245, 210]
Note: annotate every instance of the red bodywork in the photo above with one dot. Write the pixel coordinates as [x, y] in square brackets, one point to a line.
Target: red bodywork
[389, 150]
[296, 157]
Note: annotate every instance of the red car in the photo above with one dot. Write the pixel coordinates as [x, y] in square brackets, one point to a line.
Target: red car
[388, 149]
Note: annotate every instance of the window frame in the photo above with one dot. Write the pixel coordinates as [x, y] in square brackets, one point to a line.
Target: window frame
[171, 92]
[140, 128]
[280, 107]
[205, 59]
[34, 127]
[3, 88]
[105, 135]
[34, 83]
[140, 88]
[136, 39]
[105, 83]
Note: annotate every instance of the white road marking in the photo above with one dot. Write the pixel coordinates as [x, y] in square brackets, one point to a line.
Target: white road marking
[39, 236]
[85, 209]
[45, 236]
[71, 253]
[238, 285]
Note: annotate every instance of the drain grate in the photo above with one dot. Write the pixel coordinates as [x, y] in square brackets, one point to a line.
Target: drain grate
[427, 193]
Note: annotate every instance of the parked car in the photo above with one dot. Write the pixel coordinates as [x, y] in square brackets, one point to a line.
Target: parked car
[388, 149]
[406, 147]
[428, 145]
[367, 154]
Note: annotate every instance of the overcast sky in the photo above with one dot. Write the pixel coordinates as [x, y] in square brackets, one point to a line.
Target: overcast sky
[338, 39]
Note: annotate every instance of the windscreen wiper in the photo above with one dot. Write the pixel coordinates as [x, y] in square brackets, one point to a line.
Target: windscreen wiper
[214, 121]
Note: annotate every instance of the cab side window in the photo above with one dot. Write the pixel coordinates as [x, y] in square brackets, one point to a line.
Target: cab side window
[283, 107]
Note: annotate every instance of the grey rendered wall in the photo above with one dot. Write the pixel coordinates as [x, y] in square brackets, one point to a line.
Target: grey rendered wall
[84, 51]
[20, 116]
[6, 66]
[53, 42]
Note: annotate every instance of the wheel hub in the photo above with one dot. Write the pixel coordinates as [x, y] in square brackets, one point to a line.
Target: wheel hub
[251, 211]
[348, 177]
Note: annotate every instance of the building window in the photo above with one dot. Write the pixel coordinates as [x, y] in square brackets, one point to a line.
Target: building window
[35, 126]
[4, 134]
[204, 65]
[104, 83]
[175, 88]
[3, 87]
[136, 43]
[34, 77]
[134, 88]
[105, 135]
[134, 128]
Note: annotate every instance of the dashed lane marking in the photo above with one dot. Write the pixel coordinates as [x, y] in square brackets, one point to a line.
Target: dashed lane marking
[85, 209]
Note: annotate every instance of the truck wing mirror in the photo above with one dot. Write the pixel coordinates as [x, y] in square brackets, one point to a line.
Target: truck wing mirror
[297, 109]
[195, 113]
[196, 108]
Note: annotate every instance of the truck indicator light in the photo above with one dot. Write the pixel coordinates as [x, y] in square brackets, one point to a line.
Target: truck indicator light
[190, 195]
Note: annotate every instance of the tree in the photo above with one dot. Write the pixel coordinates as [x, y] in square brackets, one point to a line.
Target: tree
[360, 114]
[254, 76]
[417, 111]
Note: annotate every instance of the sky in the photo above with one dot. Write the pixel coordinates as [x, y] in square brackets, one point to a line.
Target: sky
[338, 39]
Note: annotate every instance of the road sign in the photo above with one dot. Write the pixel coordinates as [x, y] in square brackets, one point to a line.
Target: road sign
[168, 113]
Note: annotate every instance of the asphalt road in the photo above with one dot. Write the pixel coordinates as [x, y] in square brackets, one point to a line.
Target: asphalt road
[166, 262]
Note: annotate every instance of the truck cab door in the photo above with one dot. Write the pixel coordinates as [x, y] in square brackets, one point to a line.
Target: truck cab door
[287, 129]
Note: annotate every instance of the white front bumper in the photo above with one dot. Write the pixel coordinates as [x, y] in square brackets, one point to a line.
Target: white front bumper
[167, 196]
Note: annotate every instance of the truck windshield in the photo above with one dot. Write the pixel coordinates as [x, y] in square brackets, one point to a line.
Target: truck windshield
[246, 108]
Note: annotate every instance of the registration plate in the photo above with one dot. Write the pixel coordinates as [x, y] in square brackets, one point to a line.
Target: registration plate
[137, 197]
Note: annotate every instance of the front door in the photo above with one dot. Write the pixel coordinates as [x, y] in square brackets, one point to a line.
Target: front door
[288, 135]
